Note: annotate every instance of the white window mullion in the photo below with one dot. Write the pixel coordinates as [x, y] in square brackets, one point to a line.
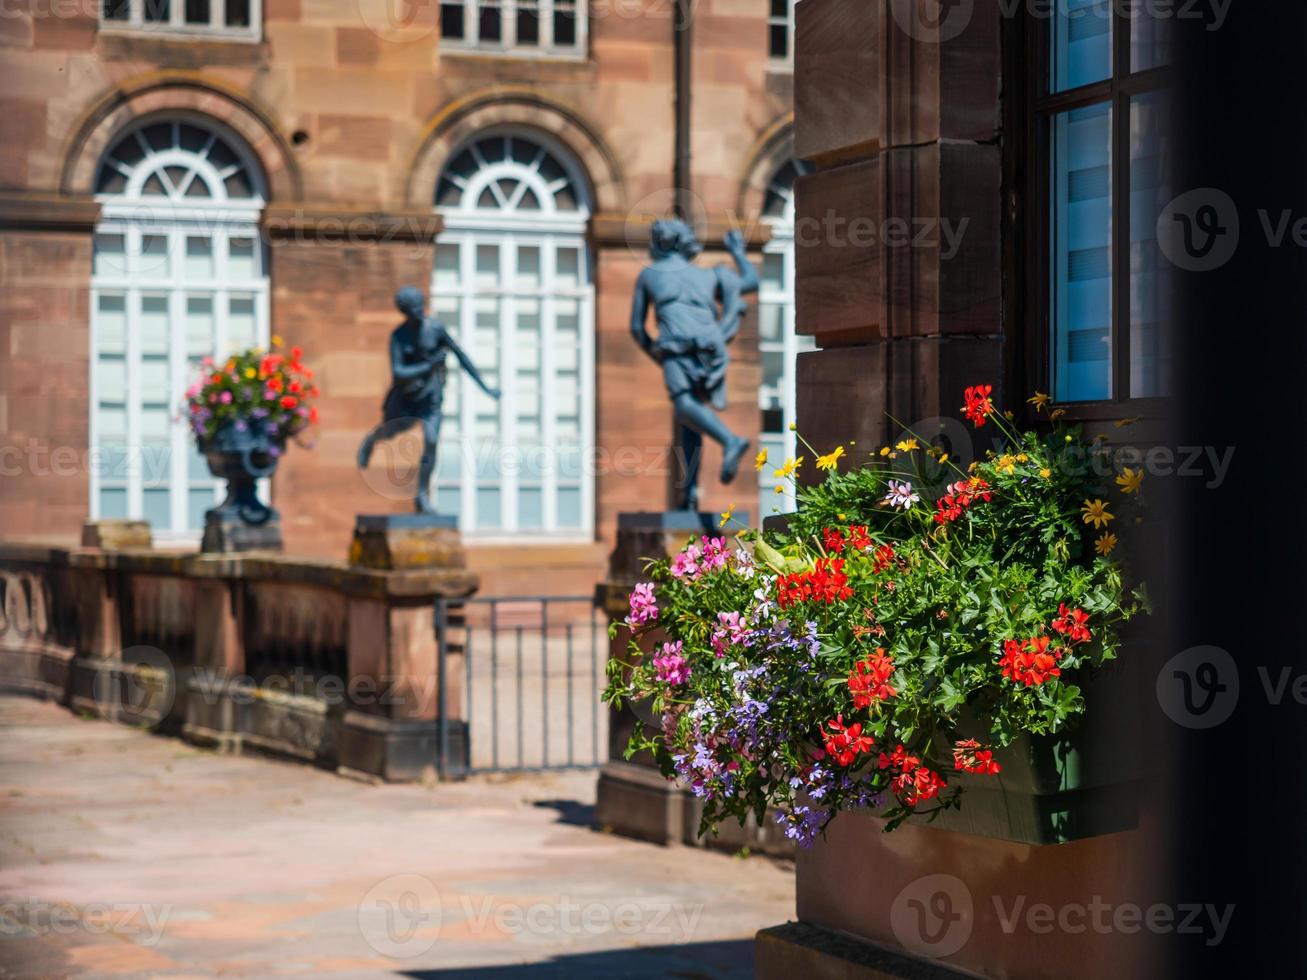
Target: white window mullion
[95, 457]
[508, 24]
[178, 489]
[132, 397]
[508, 476]
[467, 414]
[587, 386]
[548, 371]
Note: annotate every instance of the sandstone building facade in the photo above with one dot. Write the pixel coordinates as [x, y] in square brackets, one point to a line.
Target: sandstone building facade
[181, 178]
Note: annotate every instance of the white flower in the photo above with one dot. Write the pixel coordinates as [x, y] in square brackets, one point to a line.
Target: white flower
[744, 564]
[901, 495]
[763, 609]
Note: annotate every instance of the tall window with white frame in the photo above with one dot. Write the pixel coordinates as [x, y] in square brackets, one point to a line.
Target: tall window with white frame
[512, 282]
[1102, 155]
[780, 346]
[178, 274]
[519, 27]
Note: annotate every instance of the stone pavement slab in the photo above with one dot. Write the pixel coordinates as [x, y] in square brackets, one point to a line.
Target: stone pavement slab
[124, 854]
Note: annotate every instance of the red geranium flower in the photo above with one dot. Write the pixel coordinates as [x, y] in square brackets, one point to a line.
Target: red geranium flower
[913, 787]
[884, 557]
[288, 402]
[968, 756]
[1030, 662]
[869, 681]
[858, 537]
[978, 405]
[1071, 623]
[834, 539]
[845, 743]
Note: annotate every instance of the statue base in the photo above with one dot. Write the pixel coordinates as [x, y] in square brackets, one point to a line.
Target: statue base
[116, 535]
[224, 532]
[391, 542]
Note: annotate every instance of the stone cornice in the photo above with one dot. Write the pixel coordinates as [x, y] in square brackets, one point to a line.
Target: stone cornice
[36, 211]
[333, 224]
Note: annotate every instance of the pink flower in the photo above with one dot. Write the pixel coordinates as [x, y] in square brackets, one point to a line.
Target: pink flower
[672, 668]
[644, 608]
[686, 564]
[715, 553]
[732, 633]
[225, 397]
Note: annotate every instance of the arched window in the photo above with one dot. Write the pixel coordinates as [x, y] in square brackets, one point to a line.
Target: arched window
[178, 274]
[779, 344]
[512, 282]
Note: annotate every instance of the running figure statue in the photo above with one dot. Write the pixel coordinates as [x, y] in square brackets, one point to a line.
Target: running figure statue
[417, 365]
[692, 338]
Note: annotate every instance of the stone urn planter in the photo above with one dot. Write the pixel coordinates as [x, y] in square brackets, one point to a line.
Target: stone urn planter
[242, 522]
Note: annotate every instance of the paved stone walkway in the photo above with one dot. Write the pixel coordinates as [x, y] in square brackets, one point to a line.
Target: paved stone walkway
[124, 854]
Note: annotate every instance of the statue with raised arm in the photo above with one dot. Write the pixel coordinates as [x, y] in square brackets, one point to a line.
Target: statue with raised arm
[699, 312]
[417, 365]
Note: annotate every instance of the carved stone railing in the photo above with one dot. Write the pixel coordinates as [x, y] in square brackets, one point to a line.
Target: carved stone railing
[316, 660]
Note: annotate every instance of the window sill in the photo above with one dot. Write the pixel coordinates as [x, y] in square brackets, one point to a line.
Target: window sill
[182, 34]
[468, 52]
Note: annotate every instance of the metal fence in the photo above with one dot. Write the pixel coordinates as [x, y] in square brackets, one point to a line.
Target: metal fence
[519, 683]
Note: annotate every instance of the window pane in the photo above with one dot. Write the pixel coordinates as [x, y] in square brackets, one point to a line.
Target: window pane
[115, 9]
[569, 506]
[154, 324]
[153, 260]
[451, 21]
[568, 268]
[108, 259]
[530, 508]
[488, 507]
[564, 27]
[197, 11]
[238, 13]
[528, 25]
[1150, 284]
[778, 44]
[154, 505]
[199, 258]
[528, 267]
[241, 324]
[446, 268]
[241, 260]
[111, 324]
[487, 271]
[1081, 232]
[113, 502]
[1081, 43]
[488, 20]
[156, 11]
[1150, 39]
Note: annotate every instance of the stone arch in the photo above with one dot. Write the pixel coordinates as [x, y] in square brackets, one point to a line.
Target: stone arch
[511, 107]
[172, 93]
[771, 151]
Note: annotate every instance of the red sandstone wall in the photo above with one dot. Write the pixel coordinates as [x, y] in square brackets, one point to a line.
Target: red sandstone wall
[43, 382]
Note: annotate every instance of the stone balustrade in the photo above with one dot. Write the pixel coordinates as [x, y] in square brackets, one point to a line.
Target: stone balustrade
[316, 660]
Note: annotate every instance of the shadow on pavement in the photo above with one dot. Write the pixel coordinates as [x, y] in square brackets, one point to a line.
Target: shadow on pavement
[728, 960]
[570, 811]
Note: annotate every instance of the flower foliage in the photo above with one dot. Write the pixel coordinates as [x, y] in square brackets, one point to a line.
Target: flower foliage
[914, 617]
[268, 393]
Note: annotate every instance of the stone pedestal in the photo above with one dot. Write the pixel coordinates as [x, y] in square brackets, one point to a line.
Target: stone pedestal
[634, 798]
[224, 532]
[116, 535]
[396, 541]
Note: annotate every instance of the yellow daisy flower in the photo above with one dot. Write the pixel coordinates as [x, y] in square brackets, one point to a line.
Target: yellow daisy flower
[790, 467]
[1104, 543]
[1045, 472]
[1095, 512]
[1039, 400]
[727, 514]
[1006, 464]
[760, 460]
[907, 445]
[829, 461]
[1130, 480]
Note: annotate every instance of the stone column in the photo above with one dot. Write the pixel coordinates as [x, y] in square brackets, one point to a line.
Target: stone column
[902, 123]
